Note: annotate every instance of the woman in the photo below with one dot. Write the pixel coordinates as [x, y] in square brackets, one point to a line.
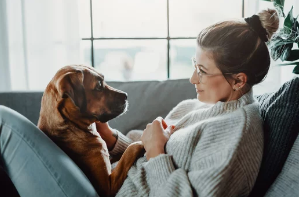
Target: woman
[212, 147]
[216, 146]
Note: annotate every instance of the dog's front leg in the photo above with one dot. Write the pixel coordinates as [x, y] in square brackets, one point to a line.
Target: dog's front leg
[119, 174]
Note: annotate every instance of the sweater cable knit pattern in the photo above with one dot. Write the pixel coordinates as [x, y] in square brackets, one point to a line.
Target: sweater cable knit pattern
[215, 150]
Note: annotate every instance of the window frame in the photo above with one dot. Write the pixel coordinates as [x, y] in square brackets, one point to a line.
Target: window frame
[168, 38]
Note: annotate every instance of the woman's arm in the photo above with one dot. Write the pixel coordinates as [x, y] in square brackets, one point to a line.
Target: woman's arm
[115, 140]
[222, 177]
[107, 133]
[155, 136]
[224, 162]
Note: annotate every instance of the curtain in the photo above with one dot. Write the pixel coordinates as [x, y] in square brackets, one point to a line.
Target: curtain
[4, 69]
[37, 38]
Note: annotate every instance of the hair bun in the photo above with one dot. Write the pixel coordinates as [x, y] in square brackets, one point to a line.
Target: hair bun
[270, 21]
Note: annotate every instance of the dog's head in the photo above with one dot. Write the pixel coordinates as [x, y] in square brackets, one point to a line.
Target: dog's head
[83, 95]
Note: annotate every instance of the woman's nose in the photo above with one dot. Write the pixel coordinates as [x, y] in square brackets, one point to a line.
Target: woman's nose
[194, 78]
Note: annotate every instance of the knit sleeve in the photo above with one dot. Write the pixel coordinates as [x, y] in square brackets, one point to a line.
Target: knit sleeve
[224, 163]
[121, 144]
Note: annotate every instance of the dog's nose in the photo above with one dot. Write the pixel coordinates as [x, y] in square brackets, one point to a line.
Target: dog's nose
[122, 95]
[125, 96]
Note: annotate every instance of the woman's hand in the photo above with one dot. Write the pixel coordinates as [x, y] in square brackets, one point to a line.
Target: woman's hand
[108, 135]
[155, 136]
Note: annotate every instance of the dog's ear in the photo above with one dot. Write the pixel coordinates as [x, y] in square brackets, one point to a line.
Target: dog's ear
[70, 85]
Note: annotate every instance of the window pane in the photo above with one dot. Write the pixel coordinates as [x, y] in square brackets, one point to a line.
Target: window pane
[276, 76]
[187, 18]
[181, 52]
[261, 5]
[130, 18]
[85, 52]
[51, 41]
[84, 18]
[288, 5]
[252, 7]
[126, 60]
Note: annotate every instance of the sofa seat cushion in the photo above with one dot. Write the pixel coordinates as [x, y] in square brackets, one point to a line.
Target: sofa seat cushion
[280, 112]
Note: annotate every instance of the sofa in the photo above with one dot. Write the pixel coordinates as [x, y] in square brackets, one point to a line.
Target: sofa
[279, 174]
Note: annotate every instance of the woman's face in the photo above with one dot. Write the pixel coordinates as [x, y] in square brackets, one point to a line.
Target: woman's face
[212, 87]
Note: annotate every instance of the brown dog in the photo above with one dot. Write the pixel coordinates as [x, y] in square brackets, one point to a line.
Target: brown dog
[76, 97]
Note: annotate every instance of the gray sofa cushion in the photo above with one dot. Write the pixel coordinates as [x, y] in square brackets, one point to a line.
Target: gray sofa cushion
[287, 183]
[280, 111]
[147, 100]
[26, 103]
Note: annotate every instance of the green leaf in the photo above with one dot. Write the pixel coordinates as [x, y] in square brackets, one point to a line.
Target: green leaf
[296, 69]
[288, 63]
[278, 47]
[279, 5]
[285, 52]
[289, 20]
[293, 55]
[279, 2]
[297, 40]
[277, 40]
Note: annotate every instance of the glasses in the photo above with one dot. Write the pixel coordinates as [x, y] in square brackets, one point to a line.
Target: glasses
[201, 73]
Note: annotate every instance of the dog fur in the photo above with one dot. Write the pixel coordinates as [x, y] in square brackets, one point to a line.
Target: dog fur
[76, 98]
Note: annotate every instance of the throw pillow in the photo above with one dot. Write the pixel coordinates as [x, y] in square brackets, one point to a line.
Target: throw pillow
[280, 112]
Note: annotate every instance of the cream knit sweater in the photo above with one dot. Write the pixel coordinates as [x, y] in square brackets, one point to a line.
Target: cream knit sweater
[216, 150]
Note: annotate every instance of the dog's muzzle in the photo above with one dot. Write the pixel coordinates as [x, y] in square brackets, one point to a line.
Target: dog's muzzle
[117, 110]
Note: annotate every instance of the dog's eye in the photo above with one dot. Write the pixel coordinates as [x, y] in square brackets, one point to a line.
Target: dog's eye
[99, 85]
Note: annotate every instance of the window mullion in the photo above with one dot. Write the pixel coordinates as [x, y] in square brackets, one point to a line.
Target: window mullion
[91, 21]
[168, 40]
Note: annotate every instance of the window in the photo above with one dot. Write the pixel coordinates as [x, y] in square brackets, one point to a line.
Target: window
[147, 40]
[126, 40]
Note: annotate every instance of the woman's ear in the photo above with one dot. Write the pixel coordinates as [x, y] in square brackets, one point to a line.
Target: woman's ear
[240, 80]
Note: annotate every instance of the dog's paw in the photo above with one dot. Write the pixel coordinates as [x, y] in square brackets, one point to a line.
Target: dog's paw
[136, 148]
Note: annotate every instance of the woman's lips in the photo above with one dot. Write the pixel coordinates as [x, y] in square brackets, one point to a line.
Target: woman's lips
[199, 90]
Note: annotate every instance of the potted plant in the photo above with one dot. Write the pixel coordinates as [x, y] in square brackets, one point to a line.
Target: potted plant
[282, 42]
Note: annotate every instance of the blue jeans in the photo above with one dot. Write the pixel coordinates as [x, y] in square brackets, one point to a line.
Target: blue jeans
[36, 166]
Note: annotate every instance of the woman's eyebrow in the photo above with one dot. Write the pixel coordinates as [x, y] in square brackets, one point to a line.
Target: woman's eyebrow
[202, 66]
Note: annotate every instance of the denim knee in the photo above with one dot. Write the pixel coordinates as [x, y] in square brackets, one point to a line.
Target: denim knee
[3, 112]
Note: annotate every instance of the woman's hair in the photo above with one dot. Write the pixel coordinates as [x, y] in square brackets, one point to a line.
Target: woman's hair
[236, 47]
